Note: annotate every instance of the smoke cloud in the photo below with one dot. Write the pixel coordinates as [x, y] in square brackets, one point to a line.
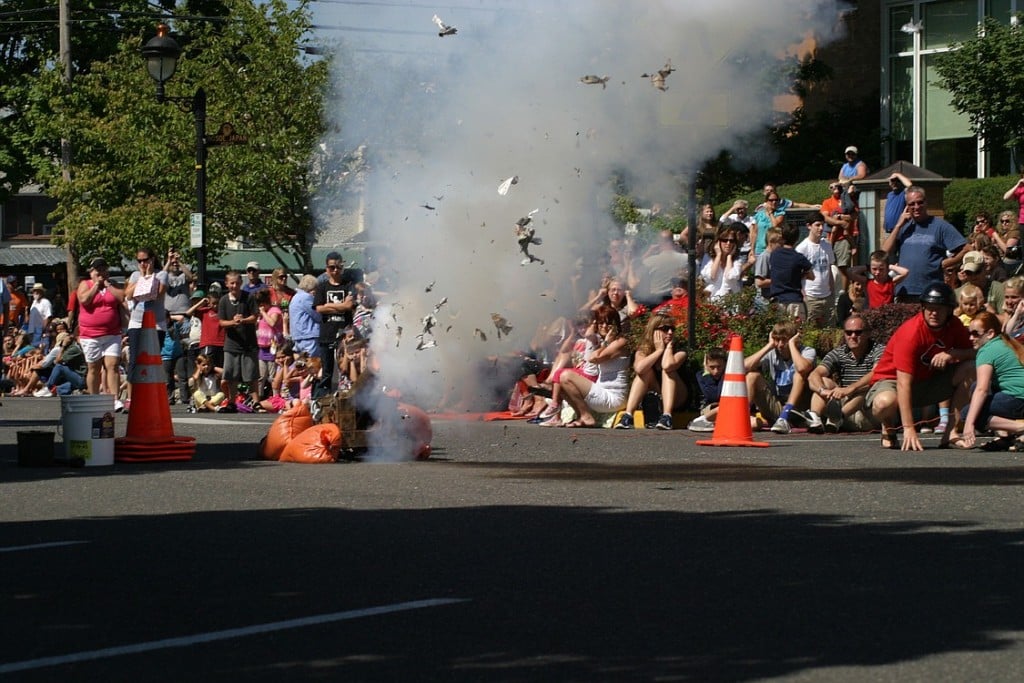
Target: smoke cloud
[445, 120]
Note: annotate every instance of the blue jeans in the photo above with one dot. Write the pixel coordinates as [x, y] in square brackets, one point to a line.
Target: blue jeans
[65, 379]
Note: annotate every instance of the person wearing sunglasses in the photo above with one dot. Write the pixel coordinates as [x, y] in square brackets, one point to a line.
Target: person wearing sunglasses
[723, 271]
[924, 245]
[927, 360]
[656, 367]
[997, 401]
[840, 383]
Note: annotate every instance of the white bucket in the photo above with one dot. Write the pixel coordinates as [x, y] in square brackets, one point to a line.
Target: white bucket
[87, 421]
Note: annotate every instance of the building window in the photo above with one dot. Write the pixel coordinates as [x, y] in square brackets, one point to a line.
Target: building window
[26, 217]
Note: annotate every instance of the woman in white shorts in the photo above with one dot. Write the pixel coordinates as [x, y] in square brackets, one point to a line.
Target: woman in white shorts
[99, 328]
[608, 393]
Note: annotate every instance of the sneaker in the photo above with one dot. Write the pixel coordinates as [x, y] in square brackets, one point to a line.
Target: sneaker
[227, 408]
[625, 421]
[781, 426]
[44, 392]
[118, 407]
[834, 417]
[664, 422]
[941, 428]
[926, 429]
[701, 424]
[814, 423]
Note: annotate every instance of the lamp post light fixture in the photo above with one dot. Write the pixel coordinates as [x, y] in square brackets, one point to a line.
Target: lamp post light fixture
[161, 54]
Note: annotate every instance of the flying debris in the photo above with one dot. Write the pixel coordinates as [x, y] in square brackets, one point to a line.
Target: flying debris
[438, 197]
[525, 237]
[429, 321]
[480, 334]
[444, 29]
[658, 78]
[506, 184]
[439, 304]
[503, 327]
[430, 286]
[423, 343]
[398, 336]
[428, 207]
[590, 79]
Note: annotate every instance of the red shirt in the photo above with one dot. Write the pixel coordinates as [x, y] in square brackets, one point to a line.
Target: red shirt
[913, 344]
[211, 333]
[879, 293]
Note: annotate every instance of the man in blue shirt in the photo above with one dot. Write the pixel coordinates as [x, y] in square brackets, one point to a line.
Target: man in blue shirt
[925, 245]
[895, 201]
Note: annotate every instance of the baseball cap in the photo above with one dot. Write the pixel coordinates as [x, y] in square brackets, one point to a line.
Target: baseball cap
[216, 288]
[973, 262]
[252, 264]
[12, 278]
[849, 149]
[198, 294]
[97, 263]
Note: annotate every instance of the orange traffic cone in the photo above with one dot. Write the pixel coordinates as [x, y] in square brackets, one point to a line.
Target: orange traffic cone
[150, 434]
[732, 426]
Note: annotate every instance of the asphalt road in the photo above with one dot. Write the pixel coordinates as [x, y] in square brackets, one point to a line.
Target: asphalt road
[515, 554]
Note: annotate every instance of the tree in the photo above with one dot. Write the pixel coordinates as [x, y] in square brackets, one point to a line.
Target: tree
[133, 176]
[985, 78]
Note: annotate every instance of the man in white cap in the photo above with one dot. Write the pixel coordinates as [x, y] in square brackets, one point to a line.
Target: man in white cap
[854, 168]
[39, 313]
[254, 283]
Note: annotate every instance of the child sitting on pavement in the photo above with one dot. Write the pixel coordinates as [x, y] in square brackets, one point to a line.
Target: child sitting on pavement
[207, 392]
[777, 379]
[709, 381]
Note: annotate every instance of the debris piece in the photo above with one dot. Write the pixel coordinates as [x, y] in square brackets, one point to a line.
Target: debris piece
[443, 28]
[501, 324]
[590, 79]
[506, 184]
[658, 77]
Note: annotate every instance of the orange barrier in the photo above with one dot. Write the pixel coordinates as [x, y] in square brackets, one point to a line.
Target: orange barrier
[732, 426]
[150, 434]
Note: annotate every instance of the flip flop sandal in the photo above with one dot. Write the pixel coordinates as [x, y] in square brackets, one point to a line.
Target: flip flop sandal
[1003, 443]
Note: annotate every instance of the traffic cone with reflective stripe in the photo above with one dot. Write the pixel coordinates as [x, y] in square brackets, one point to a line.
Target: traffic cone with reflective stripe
[732, 426]
[150, 434]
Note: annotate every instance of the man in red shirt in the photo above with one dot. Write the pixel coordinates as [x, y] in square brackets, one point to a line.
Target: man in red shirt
[928, 359]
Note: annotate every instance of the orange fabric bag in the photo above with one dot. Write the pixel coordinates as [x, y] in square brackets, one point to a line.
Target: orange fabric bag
[286, 427]
[418, 430]
[319, 443]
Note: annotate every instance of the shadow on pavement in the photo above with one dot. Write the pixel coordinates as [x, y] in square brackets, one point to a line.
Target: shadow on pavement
[556, 593]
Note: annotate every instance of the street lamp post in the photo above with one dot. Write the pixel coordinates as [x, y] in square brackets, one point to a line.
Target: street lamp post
[161, 54]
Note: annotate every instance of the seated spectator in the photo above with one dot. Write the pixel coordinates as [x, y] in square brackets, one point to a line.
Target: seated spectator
[983, 226]
[971, 302]
[614, 294]
[929, 358]
[994, 263]
[851, 300]
[722, 271]
[352, 355]
[574, 356]
[1012, 315]
[777, 378]
[788, 269]
[656, 368]
[709, 382]
[208, 391]
[678, 301]
[663, 263]
[1009, 229]
[997, 400]
[840, 383]
[973, 271]
[608, 393]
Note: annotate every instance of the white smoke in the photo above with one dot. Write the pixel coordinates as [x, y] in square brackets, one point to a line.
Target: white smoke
[445, 120]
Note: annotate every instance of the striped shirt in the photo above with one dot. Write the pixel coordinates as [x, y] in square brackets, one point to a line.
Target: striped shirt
[843, 366]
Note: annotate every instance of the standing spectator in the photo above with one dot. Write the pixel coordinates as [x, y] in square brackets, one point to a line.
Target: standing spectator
[281, 297]
[5, 303]
[237, 315]
[895, 201]
[787, 269]
[172, 355]
[840, 229]
[777, 378]
[820, 290]
[305, 320]
[922, 242]
[39, 313]
[1016, 193]
[269, 336]
[19, 304]
[707, 228]
[335, 301]
[840, 383]
[771, 214]
[880, 283]
[145, 291]
[179, 285]
[928, 359]
[853, 169]
[254, 283]
[762, 271]
[211, 335]
[99, 330]
[662, 264]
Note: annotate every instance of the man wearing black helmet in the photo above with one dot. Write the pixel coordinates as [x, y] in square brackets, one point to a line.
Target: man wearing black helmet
[928, 359]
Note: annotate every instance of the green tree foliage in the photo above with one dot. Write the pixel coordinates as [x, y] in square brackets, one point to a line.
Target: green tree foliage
[985, 79]
[133, 176]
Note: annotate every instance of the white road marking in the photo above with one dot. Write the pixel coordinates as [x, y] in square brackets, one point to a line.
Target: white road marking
[54, 544]
[241, 632]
